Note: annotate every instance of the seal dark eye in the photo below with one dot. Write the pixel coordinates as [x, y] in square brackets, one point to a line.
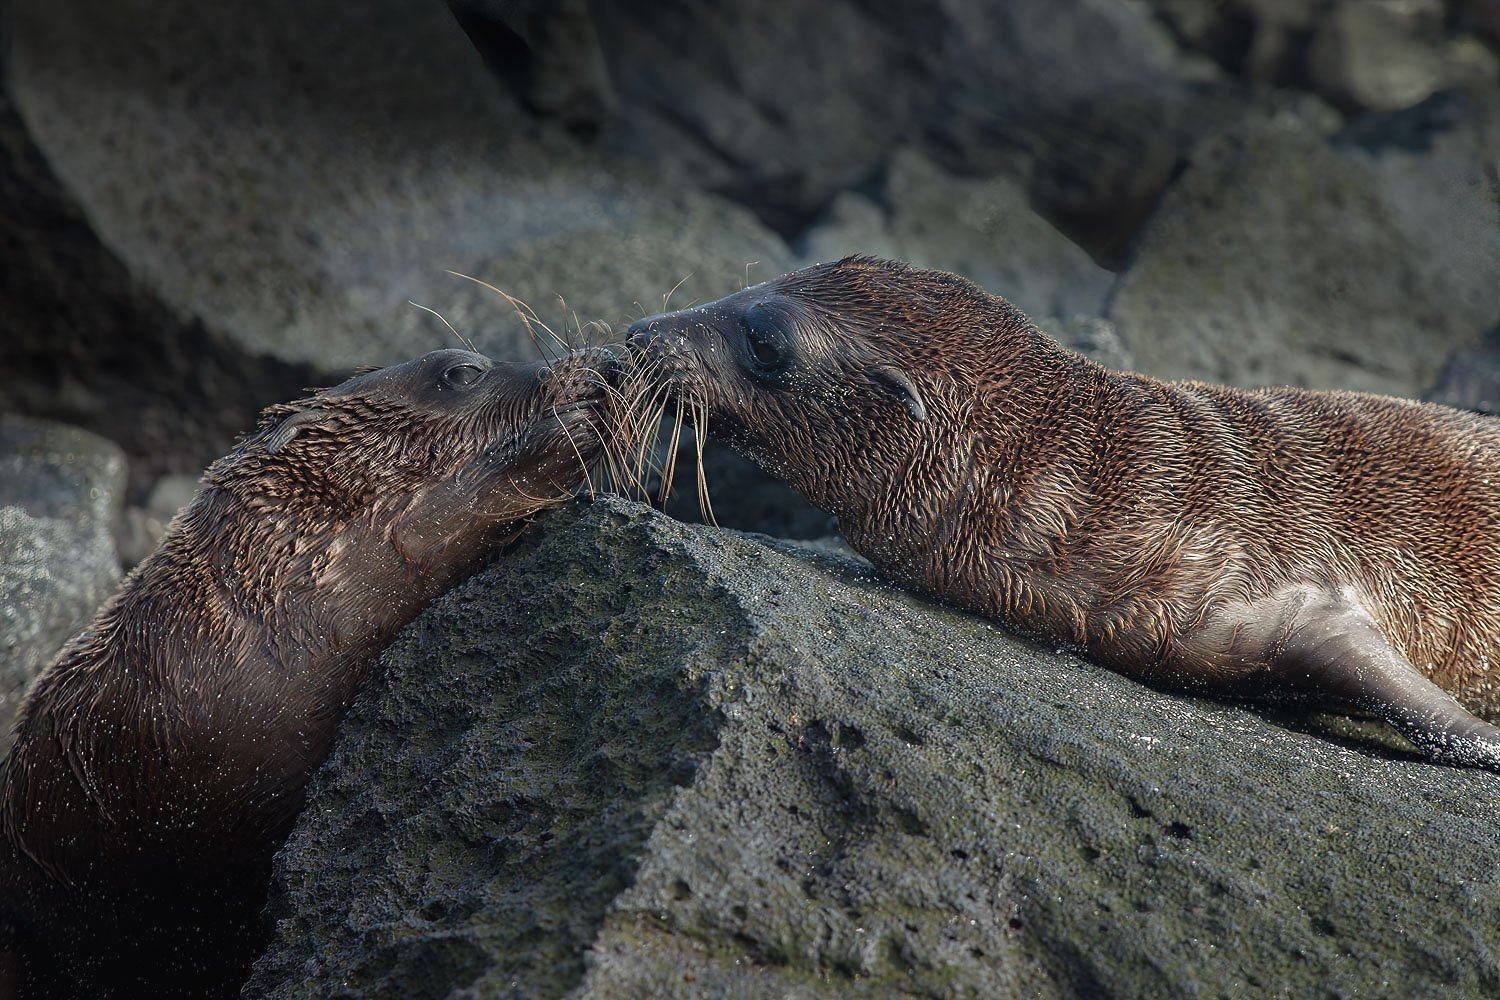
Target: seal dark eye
[767, 340]
[461, 375]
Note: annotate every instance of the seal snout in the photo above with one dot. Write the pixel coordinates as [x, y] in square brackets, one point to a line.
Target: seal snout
[664, 331]
[614, 365]
[642, 335]
[661, 341]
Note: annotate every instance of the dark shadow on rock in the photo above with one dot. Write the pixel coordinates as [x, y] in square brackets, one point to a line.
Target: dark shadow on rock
[743, 497]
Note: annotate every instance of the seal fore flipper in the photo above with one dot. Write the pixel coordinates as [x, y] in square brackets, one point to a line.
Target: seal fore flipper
[1334, 649]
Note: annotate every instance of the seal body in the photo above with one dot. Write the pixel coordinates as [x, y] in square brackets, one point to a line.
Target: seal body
[1331, 546]
[160, 761]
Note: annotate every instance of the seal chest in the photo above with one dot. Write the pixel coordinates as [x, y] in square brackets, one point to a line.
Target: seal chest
[1276, 543]
[161, 760]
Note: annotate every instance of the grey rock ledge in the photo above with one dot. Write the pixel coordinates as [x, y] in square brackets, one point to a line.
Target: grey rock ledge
[642, 758]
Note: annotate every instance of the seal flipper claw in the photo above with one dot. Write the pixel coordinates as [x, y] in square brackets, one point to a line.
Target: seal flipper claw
[1335, 650]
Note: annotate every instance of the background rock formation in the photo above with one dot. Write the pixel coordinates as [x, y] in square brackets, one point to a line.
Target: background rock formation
[60, 496]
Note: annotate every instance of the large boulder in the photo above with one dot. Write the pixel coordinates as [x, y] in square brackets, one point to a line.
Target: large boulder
[1360, 55]
[84, 342]
[640, 758]
[784, 105]
[982, 228]
[60, 494]
[1282, 257]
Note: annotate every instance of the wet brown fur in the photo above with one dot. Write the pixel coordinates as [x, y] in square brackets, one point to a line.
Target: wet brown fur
[161, 760]
[1185, 534]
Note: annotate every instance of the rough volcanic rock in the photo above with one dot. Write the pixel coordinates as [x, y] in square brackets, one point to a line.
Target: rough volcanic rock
[60, 493]
[639, 758]
[1279, 257]
[276, 181]
[983, 229]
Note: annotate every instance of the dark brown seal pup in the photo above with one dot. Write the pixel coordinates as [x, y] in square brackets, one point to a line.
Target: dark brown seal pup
[1278, 542]
[161, 759]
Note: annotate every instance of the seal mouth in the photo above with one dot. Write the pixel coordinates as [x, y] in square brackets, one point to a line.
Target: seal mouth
[670, 389]
[587, 404]
[582, 384]
[614, 365]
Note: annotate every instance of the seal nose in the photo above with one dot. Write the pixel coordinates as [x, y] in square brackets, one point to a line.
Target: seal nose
[640, 333]
[612, 366]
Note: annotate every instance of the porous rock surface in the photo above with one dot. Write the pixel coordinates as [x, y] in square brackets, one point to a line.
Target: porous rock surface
[640, 758]
[60, 492]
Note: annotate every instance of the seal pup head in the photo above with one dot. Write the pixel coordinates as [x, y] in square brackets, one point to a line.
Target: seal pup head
[788, 368]
[448, 446]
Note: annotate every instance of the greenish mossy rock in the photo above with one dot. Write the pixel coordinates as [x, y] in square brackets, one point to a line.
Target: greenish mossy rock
[642, 758]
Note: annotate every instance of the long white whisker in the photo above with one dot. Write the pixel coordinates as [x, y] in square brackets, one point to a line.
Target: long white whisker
[444, 320]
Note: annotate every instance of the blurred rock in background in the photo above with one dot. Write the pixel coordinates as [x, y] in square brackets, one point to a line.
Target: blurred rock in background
[60, 495]
[1470, 378]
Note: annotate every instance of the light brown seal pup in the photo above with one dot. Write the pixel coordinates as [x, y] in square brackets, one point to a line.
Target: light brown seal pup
[1336, 546]
[161, 759]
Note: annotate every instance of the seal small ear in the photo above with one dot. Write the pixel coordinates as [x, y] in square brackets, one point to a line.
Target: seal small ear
[901, 384]
[281, 435]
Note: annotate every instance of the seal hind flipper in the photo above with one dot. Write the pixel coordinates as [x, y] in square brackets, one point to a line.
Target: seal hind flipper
[1335, 650]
